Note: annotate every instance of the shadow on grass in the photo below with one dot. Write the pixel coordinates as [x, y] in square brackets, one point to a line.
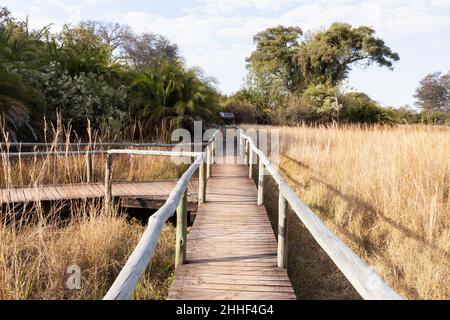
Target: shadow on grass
[371, 213]
[312, 273]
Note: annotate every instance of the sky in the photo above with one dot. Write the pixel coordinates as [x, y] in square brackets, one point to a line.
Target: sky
[216, 35]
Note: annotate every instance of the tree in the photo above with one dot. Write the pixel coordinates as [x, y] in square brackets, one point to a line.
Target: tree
[244, 109]
[21, 105]
[79, 50]
[112, 34]
[271, 70]
[147, 49]
[171, 93]
[328, 56]
[98, 71]
[359, 107]
[433, 94]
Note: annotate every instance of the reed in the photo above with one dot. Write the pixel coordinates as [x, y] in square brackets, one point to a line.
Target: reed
[384, 191]
[38, 243]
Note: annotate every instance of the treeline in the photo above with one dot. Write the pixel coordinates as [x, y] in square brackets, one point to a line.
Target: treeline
[298, 77]
[113, 80]
[103, 72]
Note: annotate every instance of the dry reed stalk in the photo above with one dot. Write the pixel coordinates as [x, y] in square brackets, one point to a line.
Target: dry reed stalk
[384, 191]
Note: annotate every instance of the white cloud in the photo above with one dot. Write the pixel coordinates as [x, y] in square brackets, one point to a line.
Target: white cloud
[217, 34]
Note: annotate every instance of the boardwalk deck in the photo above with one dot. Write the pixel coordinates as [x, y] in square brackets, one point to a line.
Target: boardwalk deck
[231, 249]
[149, 194]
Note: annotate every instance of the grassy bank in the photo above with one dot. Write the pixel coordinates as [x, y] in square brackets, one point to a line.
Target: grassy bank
[384, 191]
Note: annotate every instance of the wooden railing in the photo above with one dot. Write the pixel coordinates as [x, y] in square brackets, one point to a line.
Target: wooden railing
[363, 278]
[89, 151]
[92, 145]
[124, 285]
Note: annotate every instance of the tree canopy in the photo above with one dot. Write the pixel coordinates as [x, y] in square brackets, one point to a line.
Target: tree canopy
[271, 69]
[433, 93]
[288, 66]
[103, 72]
[328, 56]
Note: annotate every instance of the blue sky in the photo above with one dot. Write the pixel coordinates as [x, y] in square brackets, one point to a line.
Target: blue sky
[216, 35]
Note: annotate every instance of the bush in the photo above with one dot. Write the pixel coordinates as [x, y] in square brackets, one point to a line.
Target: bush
[358, 107]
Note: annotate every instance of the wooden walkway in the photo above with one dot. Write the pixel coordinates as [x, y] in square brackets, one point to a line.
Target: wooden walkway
[231, 248]
[150, 194]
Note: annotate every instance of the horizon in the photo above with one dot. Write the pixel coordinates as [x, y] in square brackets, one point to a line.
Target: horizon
[216, 35]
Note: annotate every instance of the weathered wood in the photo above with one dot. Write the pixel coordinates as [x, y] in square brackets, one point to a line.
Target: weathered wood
[108, 181]
[155, 153]
[282, 232]
[208, 161]
[136, 264]
[89, 176]
[241, 142]
[181, 234]
[213, 152]
[260, 183]
[351, 265]
[246, 150]
[154, 204]
[231, 251]
[250, 164]
[149, 194]
[202, 183]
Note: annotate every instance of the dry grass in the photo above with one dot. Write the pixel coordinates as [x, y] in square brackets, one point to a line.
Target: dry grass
[67, 168]
[385, 192]
[38, 244]
[35, 254]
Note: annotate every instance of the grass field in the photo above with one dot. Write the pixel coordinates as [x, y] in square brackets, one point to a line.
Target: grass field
[37, 244]
[384, 191]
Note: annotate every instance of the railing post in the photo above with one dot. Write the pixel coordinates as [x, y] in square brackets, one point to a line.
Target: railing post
[250, 163]
[208, 161]
[241, 148]
[213, 151]
[89, 177]
[202, 183]
[247, 146]
[261, 182]
[108, 181]
[282, 231]
[180, 252]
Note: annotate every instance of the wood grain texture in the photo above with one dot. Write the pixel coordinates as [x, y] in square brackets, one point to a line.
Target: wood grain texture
[149, 194]
[231, 249]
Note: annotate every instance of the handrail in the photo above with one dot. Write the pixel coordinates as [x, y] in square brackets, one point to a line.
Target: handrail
[136, 264]
[154, 153]
[88, 152]
[126, 281]
[363, 278]
[94, 144]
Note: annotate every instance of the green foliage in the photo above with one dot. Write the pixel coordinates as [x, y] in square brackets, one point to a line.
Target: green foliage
[80, 97]
[358, 107]
[296, 78]
[272, 73]
[78, 50]
[243, 107]
[173, 94]
[101, 72]
[327, 56]
[21, 106]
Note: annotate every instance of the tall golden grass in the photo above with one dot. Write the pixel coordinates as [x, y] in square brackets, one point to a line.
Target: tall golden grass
[38, 244]
[385, 192]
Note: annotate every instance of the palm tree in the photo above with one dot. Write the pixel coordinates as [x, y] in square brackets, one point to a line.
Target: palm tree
[170, 93]
[20, 104]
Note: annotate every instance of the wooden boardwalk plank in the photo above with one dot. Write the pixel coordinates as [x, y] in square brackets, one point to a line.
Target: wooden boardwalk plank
[158, 190]
[231, 249]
